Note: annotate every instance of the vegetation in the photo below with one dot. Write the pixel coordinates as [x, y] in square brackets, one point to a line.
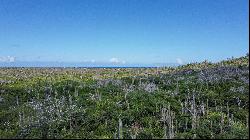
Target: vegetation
[199, 100]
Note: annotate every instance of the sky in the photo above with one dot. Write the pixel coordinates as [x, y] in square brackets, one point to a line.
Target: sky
[122, 32]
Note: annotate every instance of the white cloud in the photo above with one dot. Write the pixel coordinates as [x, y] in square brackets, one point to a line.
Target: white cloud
[89, 61]
[179, 61]
[116, 61]
[123, 62]
[7, 59]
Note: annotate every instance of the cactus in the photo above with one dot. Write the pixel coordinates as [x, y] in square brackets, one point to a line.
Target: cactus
[120, 132]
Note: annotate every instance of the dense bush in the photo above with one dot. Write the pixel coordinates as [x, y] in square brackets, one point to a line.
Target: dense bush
[199, 100]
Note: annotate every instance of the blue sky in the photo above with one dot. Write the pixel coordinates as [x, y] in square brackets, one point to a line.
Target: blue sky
[123, 31]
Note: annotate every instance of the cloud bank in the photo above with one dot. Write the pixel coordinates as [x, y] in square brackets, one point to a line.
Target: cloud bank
[7, 59]
[179, 61]
[116, 61]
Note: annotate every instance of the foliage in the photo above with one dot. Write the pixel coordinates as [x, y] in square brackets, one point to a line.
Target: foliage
[199, 100]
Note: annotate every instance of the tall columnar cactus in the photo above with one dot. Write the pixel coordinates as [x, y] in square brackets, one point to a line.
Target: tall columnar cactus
[193, 112]
[221, 123]
[203, 108]
[19, 113]
[247, 121]
[228, 117]
[120, 132]
[167, 118]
